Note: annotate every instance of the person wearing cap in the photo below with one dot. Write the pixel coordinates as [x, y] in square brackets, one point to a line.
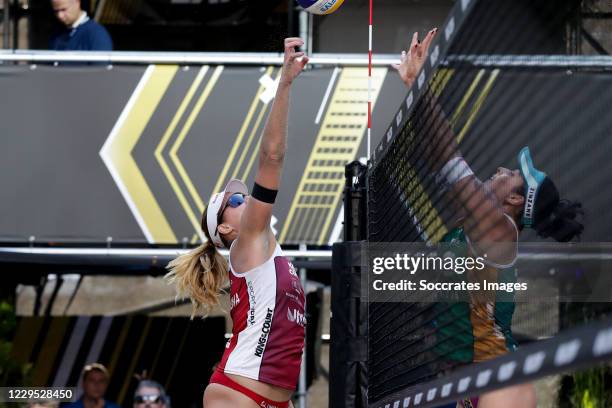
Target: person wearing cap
[95, 380]
[261, 363]
[490, 218]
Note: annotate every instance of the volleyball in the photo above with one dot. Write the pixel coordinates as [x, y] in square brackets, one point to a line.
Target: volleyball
[320, 6]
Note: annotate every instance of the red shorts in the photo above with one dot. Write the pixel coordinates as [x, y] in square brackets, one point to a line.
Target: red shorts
[220, 378]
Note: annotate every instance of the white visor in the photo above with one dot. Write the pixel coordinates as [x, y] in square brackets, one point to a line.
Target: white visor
[215, 204]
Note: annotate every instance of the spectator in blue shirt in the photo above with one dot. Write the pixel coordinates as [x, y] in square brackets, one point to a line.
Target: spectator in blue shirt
[80, 32]
[95, 381]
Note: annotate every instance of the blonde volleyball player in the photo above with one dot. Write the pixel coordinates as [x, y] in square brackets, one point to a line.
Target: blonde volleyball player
[491, 216]
[261, 363]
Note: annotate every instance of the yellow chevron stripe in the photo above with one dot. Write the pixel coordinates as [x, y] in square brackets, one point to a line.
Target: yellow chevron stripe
[143, 337]
[468, 94]
[49, 350]
[426, 212]
[255, 151]
[238, 143]
[478, 104]
[181, 137]
[339, 138]
[164, 141]
[246, 146]
[309, 206]
[117, 153]
[440, 80]
[318, 193]
[28, 331]
[316, 214]
[119, 344]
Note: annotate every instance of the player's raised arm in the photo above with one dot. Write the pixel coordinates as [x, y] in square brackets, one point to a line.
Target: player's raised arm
[273, 145]
[485, 222]
[412, 60]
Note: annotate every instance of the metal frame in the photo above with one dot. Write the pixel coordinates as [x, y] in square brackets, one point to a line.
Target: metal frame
[39, 261]
[121, 255]
[226, 58]
[532, 61]
[139, 252]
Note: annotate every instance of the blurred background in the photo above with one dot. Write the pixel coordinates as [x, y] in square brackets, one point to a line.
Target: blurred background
[101, 187]
[227, 25]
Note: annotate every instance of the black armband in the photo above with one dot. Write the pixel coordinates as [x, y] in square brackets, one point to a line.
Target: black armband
[264, 194]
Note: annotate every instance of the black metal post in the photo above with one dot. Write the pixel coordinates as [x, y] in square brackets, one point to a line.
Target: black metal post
[15, 24]
[39, 293]
[6, 23]
[348, 329]
[59, 281]
[354, 201]
[348, 379]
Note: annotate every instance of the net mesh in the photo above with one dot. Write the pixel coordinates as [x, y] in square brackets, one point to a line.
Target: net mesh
[510, 78]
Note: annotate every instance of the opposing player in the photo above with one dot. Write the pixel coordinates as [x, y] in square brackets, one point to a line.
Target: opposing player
[490, 217]
[261, 363]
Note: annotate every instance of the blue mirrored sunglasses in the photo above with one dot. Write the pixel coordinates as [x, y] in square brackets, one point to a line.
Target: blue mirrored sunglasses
[234, 201]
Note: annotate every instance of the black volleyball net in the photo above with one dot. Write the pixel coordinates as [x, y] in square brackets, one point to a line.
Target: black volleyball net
[501, 75]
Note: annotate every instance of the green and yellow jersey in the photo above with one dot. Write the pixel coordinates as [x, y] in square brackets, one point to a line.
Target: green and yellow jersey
[480, 329]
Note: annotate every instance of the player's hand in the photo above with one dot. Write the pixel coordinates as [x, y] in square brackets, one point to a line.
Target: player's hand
[412, 60]
[294, 60]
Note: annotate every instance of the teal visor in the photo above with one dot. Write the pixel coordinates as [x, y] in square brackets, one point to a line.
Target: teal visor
[533, 180]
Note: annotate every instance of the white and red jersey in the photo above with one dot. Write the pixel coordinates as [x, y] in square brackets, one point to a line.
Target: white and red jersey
[267, 309]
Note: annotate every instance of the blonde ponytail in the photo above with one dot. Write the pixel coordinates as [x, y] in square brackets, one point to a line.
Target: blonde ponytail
[199, 275]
